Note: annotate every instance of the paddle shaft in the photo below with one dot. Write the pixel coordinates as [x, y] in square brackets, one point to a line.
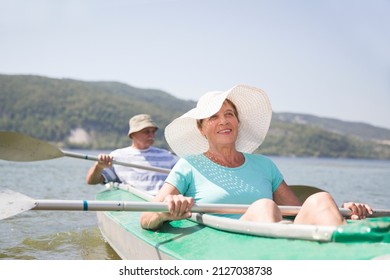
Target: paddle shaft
[97, 205]
[94, 158]
[13, 203]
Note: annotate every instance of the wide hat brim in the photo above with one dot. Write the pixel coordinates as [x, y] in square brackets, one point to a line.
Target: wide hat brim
[254, 111]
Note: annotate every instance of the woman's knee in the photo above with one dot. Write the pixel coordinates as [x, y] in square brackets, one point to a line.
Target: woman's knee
[264, 210]
[264, 203]
[318, 200]
[319, 209]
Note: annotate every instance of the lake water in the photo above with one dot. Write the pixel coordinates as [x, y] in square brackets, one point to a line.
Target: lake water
[73, 235]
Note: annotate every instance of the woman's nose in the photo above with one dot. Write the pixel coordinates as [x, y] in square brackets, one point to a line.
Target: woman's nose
[223, 120]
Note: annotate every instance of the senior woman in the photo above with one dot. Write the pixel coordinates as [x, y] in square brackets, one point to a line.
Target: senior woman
[215, 141]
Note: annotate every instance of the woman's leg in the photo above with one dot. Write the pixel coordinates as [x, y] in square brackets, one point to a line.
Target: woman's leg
[320, 209]
[263, 210]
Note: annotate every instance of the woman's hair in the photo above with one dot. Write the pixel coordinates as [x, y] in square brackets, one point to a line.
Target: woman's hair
[199, 122]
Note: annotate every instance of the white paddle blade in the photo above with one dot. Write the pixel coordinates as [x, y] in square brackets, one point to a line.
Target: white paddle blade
[13, 203]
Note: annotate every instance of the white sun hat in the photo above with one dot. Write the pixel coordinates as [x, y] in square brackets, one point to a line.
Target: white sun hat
[254, 113]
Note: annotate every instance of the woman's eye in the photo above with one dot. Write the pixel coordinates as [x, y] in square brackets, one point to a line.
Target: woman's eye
[230, 114]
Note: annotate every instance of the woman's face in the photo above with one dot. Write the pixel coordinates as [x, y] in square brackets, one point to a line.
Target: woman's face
[222, 127]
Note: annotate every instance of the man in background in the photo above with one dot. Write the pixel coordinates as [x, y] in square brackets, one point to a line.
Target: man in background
[142, 131]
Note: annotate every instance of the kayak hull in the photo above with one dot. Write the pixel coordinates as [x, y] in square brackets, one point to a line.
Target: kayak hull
[189, 240]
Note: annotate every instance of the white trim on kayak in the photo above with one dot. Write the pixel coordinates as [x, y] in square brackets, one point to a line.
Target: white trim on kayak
[276, 230]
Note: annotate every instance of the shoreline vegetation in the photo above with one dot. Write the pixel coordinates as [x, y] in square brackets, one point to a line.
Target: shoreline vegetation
[75, 114]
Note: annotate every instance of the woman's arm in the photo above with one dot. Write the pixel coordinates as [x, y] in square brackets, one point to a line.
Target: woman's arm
[285, 196]
[179, 207]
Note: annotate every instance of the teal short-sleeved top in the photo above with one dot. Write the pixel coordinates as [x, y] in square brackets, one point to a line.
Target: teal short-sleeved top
[207, 182]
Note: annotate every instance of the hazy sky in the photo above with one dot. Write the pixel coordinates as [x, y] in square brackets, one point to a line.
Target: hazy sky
[329, 58]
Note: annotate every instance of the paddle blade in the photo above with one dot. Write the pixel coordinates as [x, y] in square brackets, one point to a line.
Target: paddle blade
[15, 146]
[303, 192]
[13, 203]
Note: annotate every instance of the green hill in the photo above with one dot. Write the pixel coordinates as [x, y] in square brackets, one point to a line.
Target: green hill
[63, 111]
[94, 115]
[308, 140]
[358, 130]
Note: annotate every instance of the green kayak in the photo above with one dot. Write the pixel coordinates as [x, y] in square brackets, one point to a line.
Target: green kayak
[209, 237]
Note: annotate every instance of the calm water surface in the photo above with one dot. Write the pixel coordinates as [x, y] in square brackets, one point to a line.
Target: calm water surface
[73, 235]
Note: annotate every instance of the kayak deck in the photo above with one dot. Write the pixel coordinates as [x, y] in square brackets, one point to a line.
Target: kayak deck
[190, 240]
